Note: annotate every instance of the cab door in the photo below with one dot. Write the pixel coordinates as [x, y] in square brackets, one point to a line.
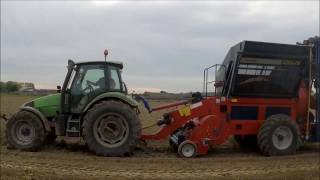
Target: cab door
[89, 82]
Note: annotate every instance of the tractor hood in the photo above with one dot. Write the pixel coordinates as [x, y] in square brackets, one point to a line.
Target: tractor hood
[48, 105]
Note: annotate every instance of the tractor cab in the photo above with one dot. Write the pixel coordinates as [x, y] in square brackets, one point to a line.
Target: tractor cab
[87, 80]
[85, 85]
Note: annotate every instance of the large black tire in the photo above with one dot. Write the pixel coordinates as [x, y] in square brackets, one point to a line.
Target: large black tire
[247, 142]
[25, 131]
[278, 135]
[104, 135]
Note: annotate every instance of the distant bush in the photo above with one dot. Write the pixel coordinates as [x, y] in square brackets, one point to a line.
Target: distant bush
[10, 86]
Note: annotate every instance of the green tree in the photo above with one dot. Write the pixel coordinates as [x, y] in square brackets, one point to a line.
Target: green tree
[3, 87]
[12, 86]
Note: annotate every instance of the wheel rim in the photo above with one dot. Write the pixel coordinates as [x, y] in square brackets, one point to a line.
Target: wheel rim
[111, 130]
[282, 137]
[188, 150]
[23, 132]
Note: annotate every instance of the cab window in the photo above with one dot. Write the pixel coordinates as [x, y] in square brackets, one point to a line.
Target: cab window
[89, 82]
[96, 76]
[88, 79]
[114, 79]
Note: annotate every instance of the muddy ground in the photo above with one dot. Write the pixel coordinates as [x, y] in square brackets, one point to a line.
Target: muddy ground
[156, 162]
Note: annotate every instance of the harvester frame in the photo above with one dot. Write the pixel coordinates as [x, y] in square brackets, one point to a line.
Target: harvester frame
[276, 120]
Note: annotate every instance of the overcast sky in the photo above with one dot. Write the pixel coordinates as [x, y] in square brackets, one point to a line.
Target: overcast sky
[163, 45]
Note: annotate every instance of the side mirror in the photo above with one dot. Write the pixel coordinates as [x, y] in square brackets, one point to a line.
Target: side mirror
[70, 63]
[58, 89]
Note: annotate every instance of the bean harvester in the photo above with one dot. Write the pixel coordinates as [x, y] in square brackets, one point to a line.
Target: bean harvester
[263, 94]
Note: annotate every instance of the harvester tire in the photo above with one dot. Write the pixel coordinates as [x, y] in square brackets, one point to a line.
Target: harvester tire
[111, 128]
[278, 135]
[25, 131]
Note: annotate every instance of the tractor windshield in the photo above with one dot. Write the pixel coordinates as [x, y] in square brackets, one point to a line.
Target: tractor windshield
[92, 80]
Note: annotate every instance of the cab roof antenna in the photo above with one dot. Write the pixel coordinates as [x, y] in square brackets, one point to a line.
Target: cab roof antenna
[105, 54]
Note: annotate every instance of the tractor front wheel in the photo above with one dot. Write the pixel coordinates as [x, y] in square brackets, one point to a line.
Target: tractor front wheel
[25, 131]
[278, 135]
[111, 128]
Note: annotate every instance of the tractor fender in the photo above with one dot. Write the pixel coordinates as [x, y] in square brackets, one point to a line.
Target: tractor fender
[38, 114]
[112, 95]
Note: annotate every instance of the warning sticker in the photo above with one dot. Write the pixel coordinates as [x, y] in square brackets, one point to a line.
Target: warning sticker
[185, 111]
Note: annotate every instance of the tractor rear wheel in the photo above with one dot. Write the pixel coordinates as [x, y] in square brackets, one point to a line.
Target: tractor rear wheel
[25, 131]
[111, 128]
[278, 135]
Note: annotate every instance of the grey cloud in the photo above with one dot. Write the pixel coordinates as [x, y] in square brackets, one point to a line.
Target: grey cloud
[163, 45]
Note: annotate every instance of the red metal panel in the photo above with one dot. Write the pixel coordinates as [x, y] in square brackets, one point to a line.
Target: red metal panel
[245, 127]
[215, 126]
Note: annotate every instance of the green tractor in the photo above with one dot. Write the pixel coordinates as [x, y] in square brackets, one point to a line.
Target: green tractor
[92, 104]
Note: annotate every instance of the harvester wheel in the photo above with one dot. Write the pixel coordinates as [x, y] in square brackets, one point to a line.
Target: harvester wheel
[111, 128]
[278, 135]
[187, 149]
[25, 131]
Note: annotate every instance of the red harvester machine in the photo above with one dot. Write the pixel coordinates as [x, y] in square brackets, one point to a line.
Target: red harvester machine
[262, 95]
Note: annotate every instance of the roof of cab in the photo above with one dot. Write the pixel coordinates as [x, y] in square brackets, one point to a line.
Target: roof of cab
[114, 63]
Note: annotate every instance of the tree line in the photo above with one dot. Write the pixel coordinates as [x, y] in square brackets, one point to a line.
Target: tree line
[12, 86]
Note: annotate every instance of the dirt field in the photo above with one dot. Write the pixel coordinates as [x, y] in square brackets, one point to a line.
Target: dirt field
[61, 161]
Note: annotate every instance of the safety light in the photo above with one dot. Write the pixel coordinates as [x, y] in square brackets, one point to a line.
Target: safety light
[105, 54]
